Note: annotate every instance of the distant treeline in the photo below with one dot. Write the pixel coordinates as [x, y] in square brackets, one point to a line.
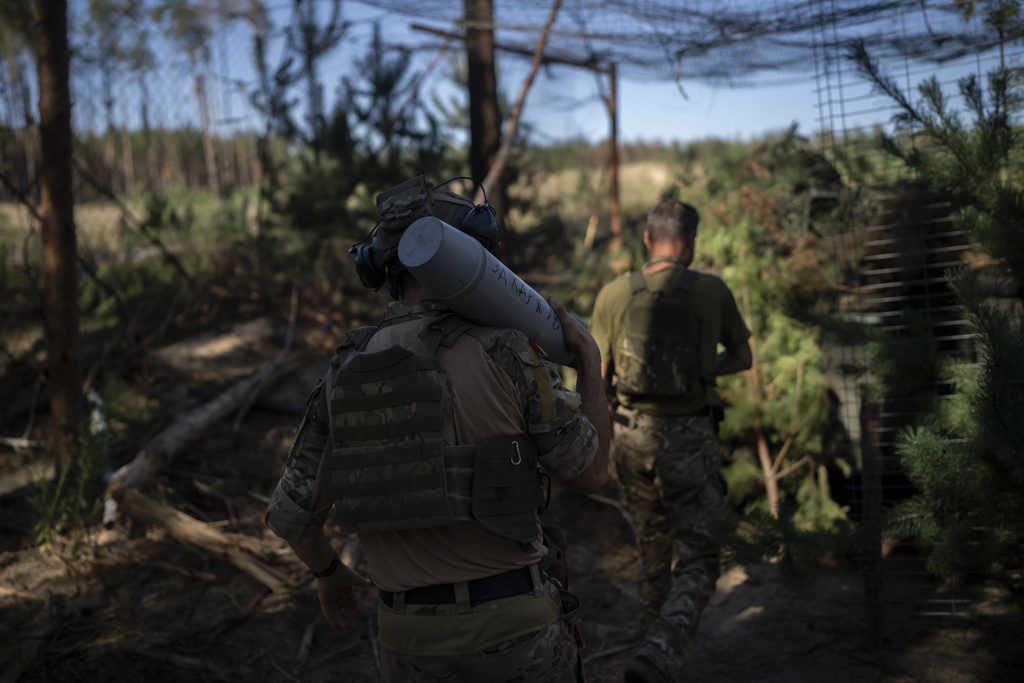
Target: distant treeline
[125, 162]
[157, 160]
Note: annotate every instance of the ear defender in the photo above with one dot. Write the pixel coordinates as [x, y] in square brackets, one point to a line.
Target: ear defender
[399, 206]
[372, 273]
[481, 223]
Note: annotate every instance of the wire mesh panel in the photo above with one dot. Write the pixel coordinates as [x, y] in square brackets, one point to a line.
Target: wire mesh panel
[892, 260]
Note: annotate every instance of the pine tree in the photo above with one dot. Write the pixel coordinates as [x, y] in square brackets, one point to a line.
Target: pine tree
[782, 407]
[966, 457]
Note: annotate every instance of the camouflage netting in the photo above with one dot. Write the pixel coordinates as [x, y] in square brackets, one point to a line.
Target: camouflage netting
[725, 42]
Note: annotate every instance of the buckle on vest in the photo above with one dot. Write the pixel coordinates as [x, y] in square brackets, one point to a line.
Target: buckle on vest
[625, 418]
[517, 459]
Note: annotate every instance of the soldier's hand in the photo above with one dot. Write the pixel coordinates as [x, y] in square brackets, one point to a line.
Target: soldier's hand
[336, 597]
[577, 337]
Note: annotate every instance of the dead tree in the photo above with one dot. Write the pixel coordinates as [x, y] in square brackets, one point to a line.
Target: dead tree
[56, 207]
[484, 117]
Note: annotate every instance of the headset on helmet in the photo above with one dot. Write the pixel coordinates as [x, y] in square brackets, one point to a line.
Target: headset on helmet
[399, 206]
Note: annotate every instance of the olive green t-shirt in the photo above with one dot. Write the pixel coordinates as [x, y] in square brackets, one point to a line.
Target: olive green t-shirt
[720, 323]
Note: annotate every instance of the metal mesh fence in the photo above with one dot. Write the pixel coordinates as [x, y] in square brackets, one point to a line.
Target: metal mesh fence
[892, 268]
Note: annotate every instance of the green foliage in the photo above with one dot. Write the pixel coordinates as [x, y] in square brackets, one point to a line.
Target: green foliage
[967, 158]
[63, 505]
[794, 547]
[379, 133]
[904, 362]
[785, 402]
[966, 458]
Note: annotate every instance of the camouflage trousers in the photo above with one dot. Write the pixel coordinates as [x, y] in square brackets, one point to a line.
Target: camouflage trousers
[523, 639]
[669, 474]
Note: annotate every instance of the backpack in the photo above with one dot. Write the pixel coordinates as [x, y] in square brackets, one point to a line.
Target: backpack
[657, 353]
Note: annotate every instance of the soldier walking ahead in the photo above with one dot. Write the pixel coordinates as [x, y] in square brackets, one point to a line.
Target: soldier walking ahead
[659, 330]
[434, 437]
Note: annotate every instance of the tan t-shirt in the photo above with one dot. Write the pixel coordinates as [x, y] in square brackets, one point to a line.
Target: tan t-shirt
[496, 380]
[720, 323]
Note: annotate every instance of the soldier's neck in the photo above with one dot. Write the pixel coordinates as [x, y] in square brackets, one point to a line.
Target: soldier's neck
[665, 256]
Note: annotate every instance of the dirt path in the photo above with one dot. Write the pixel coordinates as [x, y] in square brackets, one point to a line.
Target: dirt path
[133, 604]
[145, 608]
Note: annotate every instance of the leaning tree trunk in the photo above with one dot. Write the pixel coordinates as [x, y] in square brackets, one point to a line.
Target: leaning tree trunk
[209, 145]
[148, 141]
[56, 208]
[512, 124]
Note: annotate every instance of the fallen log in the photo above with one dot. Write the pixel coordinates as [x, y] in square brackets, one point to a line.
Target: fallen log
[122, 491]
[282, 354]
[156, 454]
[191, 531]
[29, 475]
[20, 444]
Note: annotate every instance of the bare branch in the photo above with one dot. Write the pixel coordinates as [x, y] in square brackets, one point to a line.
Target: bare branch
[512, 124]
[794, 467]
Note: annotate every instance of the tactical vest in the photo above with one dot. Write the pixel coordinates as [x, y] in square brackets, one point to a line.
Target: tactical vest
[657, 353]
[395, 463]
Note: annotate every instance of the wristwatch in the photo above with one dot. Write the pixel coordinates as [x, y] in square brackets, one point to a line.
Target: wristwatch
[333, 567]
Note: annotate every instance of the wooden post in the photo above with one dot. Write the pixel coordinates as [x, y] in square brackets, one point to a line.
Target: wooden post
[493, 178]
[871, 519]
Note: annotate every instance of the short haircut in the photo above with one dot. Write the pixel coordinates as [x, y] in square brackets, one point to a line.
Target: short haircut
[672, 220]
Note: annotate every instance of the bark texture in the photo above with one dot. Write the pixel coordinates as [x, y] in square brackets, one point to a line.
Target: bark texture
[56, 207]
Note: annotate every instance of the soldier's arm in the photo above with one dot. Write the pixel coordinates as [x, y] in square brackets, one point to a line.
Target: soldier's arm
[734, 359]
[593, 403]
[301, 501]
[299, 508]
[567, 441]
[734, 336]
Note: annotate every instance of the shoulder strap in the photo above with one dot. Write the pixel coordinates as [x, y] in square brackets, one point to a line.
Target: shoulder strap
[356, 339]
[443, 331]
[637, 282]
[454, 327]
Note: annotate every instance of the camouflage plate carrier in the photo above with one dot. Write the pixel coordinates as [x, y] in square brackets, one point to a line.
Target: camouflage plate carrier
[657, 351]
[395, 461]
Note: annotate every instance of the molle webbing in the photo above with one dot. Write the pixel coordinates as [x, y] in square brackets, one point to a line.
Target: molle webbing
[375, 487]
[656, 353]
[506, 491]
[414, 395]
[394, 466]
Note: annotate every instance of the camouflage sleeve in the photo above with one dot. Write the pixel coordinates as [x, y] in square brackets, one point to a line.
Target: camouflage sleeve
[565, 438]
[299, 506]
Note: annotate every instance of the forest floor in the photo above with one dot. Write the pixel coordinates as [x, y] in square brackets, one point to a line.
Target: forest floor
[130, 603]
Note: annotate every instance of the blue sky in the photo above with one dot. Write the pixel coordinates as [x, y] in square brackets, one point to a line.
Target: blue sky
[659, 111]
[562, 104]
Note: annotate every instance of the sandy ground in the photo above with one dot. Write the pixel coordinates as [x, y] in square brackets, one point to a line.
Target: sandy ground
[147, 608]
